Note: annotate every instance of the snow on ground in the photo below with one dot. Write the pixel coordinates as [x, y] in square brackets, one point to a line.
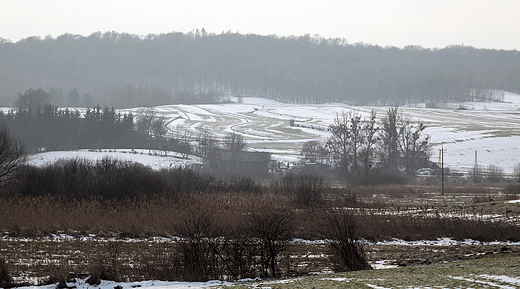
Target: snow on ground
[492, 129]
[442, 242]
[81, 284]
[154, 159]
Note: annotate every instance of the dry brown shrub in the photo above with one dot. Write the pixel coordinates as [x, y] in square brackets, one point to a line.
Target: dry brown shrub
[5, 275]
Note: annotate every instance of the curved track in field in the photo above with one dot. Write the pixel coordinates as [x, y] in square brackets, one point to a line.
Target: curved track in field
[493, 132]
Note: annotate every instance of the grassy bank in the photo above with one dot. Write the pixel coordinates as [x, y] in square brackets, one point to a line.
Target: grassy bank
[500, 270]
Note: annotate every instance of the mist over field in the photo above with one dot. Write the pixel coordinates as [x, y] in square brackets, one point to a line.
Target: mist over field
[124, 70]
[490, 129]
[245, 158]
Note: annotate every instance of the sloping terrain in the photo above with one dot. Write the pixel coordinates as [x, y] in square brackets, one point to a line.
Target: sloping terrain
[491, 129]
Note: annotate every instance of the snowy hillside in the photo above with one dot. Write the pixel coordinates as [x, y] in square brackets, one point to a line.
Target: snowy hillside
[491, 129]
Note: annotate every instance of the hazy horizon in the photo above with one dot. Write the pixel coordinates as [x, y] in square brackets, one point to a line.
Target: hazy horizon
[481, 24]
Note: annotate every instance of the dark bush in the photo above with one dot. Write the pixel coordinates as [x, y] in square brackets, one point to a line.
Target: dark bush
[184, 180]
[271, 227]
[107, 178]
[340, 229]
[5, 276]
[306, 190]
[198, 246]
[242, 184]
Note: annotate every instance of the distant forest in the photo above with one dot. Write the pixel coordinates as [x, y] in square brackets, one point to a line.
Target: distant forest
[123, 70]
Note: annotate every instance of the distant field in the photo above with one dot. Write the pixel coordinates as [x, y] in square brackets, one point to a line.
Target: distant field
[491, 129]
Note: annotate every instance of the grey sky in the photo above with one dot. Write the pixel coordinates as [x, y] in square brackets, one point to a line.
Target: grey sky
[429, 23]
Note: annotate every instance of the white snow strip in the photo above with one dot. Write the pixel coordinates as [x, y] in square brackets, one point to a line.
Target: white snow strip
[81, 284]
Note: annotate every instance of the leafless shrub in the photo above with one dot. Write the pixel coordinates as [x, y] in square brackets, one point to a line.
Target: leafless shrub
[306, 190]
[5, 276]
[242, 184]
[106, 266]
[340, 229]
[57, 273]
[495, 174]
[12, 154]
[272, 227]
[198, 246]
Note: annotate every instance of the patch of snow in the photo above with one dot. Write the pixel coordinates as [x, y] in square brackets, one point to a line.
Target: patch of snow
[382, 264]
[154, 159]
[484, 282]
[505, 279]
[81, 284]
[340, 279]
[441, 242]
[376, 287]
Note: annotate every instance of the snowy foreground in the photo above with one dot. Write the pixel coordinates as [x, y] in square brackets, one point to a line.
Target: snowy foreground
[490, 129]
[480, 281]
[494, 279]
[81, 284]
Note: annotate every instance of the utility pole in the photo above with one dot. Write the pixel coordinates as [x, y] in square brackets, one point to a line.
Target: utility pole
[442, 167]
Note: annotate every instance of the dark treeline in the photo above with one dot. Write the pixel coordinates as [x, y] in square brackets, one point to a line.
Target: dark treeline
[124, 70]
[63, 129]
[41, 125]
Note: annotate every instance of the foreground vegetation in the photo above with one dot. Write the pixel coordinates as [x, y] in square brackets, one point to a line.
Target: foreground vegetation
[491, 271]
[95, 218]
[98, 218]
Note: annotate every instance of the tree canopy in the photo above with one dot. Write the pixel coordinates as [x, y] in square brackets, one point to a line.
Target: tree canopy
[124, 70]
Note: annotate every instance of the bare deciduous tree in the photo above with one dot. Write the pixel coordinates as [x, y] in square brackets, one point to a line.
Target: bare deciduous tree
[234, 142]
[206, 142]
[516, 173]
[273, 228]
[313, 151]
[495, 174]
[340, 229]
[412, 142]
[12, 154]
[355, 146]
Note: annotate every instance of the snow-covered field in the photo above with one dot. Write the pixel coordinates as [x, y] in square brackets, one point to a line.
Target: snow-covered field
[155, 159]
[490, 129]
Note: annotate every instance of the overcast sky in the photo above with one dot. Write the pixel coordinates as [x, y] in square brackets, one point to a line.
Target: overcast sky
[429, 23]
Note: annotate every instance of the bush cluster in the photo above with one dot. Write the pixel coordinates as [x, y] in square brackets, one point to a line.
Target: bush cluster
[224, 229]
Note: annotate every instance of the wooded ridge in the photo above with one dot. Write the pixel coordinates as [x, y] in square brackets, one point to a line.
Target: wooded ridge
[124, 70]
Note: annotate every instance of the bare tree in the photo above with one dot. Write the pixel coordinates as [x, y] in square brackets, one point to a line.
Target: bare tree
[234, 143]
[340, 229]
[495, 174]
[313, 151]
[516, 173]
[273, 228]
[206, 142]
[12, 154]
[390, 135]
[355, 146]
[180, 140]
[412, 142]
[150, 124]
[33, 101]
